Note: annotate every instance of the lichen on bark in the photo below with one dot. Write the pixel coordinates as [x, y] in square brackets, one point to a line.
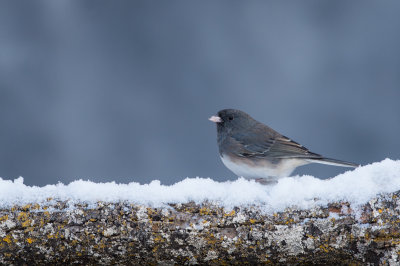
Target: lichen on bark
[57, 232]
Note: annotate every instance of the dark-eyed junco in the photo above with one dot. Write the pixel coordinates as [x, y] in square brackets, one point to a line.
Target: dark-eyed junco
[255, 151]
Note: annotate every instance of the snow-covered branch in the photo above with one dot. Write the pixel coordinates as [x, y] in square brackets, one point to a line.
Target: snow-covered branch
[353, 217]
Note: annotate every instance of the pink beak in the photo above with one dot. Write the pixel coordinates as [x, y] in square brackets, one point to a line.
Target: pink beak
[215, 119]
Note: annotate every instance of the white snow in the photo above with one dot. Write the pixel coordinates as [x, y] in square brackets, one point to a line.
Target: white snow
[357, 187]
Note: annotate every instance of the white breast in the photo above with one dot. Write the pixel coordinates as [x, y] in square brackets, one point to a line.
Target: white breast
[263, 168]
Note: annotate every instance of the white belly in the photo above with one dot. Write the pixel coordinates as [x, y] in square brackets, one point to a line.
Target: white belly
[262, 169]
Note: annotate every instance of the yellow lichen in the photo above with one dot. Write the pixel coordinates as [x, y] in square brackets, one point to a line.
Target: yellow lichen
[290, 221]
[50, 236]
[8, 239]
[26, 223]
[253, 221]
[310, 236]
[211, 239]
[158, 239]
[232, 213]
[325, 247]
[395, 241]
[22, 216]
[102, 245]
[238, 242]
[41, 222]
[150, 211]
[30, 240]
[29, 229]
[26, 207]
[205, 211]
[3, 218]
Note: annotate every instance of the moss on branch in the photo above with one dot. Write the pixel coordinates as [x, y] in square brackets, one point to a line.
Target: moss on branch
[122, 233]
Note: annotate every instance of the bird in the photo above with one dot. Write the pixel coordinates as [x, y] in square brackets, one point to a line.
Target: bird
[253, 150]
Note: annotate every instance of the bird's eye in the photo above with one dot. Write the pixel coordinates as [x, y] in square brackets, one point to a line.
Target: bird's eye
[230, 118]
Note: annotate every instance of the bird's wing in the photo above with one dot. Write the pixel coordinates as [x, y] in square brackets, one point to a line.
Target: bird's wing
[271, 145]
[287, 148]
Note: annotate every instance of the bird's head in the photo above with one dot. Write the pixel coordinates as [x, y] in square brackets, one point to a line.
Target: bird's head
[231, 119]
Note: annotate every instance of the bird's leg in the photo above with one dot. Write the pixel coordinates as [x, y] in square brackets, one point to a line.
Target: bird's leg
[266, 182]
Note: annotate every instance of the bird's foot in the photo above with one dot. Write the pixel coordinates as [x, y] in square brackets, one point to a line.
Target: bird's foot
[266, 182]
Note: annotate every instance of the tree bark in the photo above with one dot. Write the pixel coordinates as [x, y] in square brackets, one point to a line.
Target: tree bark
[184, 234]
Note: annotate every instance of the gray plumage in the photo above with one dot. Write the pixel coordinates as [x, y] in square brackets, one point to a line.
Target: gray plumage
[248, 147]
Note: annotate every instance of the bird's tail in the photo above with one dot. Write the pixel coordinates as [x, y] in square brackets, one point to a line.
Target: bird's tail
[333, 162]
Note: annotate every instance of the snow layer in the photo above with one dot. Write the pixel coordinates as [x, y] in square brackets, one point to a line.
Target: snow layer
[357, 187]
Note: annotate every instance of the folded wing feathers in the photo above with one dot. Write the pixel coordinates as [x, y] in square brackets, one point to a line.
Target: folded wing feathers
[280, 147]
[287, 148]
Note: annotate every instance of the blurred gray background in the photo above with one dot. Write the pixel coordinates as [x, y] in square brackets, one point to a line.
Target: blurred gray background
[121, 90]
